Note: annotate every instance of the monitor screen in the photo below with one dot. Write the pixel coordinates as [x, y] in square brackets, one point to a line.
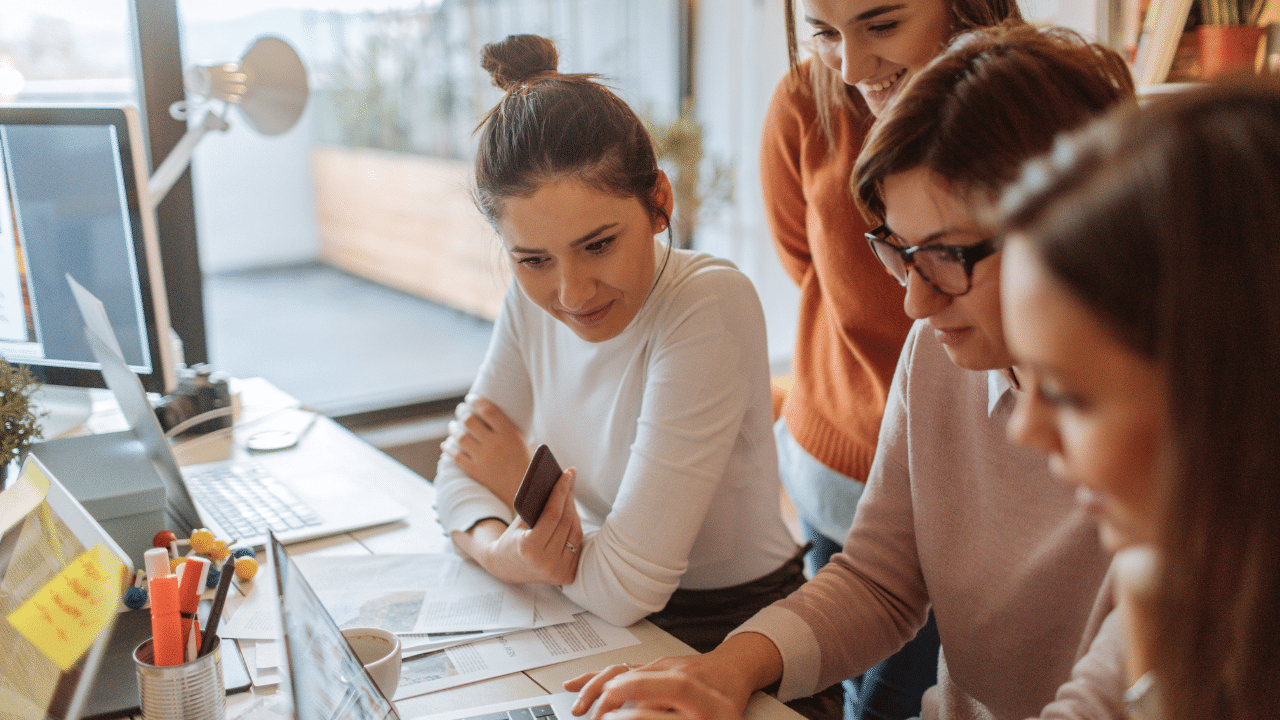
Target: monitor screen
[73, 201]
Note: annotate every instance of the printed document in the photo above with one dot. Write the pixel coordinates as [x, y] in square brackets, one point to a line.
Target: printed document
[415, 593]
[587, 635]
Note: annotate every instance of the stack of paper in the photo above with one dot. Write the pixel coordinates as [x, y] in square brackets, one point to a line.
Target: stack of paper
[457, 624]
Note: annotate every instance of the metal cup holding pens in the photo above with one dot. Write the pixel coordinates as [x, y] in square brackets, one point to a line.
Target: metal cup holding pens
[190, 691]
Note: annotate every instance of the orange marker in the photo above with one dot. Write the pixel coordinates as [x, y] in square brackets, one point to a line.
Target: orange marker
[166, 622]
[193, 572]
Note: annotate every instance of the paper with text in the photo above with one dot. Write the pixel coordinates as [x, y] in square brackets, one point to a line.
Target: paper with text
[587, 635]
[426, 593]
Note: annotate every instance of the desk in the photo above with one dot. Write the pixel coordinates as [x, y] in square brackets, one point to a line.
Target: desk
[259, 403]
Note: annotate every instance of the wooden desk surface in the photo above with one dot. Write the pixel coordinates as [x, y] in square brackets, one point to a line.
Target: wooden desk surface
[261, 404]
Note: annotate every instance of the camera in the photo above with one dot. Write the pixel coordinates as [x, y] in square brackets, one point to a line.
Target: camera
[200, 392]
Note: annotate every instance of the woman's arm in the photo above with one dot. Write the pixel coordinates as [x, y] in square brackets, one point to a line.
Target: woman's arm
[502, 379]
[714, 686]
[705, 362]
[546, 553]
[789, 115]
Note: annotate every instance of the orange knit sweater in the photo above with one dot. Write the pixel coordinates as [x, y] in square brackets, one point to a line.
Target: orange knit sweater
[852, 325]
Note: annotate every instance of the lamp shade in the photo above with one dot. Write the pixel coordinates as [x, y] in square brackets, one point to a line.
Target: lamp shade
[269, 85]
[276, 86]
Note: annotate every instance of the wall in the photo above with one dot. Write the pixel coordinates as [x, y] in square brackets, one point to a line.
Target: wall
[254, 204]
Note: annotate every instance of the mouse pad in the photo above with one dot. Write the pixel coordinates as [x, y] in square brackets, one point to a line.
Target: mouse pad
[115, 690]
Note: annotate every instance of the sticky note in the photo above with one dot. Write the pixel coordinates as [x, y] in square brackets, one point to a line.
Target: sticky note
[68, 614]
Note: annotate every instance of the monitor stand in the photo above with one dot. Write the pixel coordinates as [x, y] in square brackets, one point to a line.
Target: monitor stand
[63, 408]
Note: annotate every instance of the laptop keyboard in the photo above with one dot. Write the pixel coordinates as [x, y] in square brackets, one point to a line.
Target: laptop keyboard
[246, 501]
[537, 712]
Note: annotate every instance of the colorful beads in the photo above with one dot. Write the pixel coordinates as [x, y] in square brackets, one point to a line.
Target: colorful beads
[246, 568]
[202, 541]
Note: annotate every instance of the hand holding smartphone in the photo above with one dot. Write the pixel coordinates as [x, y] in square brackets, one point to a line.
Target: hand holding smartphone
[536, 486]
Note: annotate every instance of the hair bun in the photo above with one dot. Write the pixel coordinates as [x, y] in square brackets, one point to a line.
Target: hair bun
[517, 58]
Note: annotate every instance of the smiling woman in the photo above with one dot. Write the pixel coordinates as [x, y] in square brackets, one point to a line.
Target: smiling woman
[643, 368]
[851, 326]
[583, 255]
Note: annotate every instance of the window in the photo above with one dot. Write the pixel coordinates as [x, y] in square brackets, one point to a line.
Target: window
[344, 260]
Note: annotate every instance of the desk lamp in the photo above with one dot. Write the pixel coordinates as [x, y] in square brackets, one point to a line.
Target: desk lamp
[268, 86]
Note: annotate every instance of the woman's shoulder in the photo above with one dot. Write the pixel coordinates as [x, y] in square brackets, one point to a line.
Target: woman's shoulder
[696, 282]
[696, 271]
[795, 92]
[805, 102]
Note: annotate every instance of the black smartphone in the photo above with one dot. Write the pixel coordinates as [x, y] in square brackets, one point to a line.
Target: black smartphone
[536, 486]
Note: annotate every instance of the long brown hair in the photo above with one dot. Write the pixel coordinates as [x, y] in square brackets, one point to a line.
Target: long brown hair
[833, 96]
[549, 126]
[1165, 223]
[994, 98]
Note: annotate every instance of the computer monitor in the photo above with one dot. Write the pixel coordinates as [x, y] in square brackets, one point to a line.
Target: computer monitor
[73, 201]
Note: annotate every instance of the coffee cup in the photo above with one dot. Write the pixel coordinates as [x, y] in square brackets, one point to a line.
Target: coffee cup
[379, 652]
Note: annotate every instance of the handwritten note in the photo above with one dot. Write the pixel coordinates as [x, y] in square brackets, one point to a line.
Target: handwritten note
[65, 616]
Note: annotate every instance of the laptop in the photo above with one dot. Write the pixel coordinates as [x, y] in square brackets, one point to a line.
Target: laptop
[325, 680]
[327, 505]
[42, 544]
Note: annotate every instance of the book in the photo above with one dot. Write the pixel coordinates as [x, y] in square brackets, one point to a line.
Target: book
[1161, 32]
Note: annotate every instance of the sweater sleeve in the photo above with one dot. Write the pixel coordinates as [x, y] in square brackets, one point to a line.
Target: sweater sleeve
[696, 390]
[870, 599]
[781, 177]
[503, 379]
[1096, 686]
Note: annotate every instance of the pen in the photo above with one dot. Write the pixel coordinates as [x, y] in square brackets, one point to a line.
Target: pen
[193, 644]
[192, 569]
[166, 623]
[219, 598]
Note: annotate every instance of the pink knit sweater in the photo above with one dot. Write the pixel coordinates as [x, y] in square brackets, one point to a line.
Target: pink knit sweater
[956, 517]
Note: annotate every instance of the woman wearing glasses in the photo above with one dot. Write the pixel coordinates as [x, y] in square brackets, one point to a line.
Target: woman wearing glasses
[954, 517]
[850, 327]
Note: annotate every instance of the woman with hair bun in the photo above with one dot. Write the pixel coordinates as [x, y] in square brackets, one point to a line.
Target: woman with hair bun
[644, 369]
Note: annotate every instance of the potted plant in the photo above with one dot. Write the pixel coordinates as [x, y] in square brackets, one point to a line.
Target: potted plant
[1228, 36]
[19, 423]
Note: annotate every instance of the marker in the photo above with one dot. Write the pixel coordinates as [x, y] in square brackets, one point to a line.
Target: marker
[219, 598]
[166, 622]
[191, 572]
[156, 561]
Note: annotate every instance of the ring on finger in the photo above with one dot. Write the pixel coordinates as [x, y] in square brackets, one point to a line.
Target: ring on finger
[571, 547]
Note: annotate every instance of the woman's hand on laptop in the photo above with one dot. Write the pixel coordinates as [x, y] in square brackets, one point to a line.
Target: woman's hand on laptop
[546, 553]
[677, 685]
[488, 447]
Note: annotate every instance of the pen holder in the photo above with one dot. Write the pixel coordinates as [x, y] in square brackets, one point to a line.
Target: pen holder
[190, 691]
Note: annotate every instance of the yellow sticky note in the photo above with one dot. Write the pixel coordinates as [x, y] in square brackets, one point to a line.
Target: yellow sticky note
[66, 615]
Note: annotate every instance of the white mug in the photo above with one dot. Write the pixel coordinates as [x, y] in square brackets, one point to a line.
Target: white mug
[379, 652]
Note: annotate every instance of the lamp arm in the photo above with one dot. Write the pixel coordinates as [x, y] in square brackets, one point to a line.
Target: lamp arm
[171, 169]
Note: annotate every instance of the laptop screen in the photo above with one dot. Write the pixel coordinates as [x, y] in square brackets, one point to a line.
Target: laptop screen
[323, 675]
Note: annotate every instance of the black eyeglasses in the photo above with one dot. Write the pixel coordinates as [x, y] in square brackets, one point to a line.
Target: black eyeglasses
[947, 268]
